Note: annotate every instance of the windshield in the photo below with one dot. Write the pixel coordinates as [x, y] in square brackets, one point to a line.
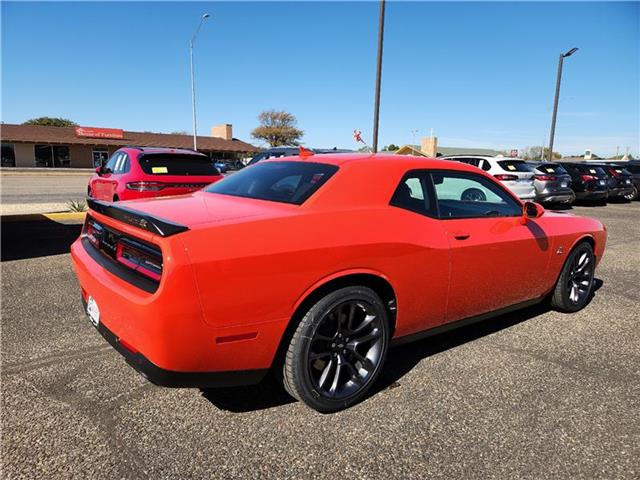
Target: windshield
[275, 181]
[177, 164]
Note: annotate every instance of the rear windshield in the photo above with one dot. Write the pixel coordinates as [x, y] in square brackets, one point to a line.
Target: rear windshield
[177, 164]
[514, 165]
[553, 168]
[286, 182]
[589, 169]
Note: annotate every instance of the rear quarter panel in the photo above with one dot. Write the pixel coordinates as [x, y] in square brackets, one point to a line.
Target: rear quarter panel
[256, 272]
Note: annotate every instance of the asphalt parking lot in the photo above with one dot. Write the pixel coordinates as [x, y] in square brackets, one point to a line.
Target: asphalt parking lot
[535, 394]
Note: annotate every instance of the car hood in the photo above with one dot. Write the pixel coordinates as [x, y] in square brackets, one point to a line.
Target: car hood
[203, 208]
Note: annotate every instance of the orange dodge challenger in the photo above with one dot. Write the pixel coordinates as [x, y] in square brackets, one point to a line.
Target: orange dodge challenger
[314, 265]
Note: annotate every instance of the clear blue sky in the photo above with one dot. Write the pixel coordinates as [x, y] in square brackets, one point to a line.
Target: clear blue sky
[479, 74]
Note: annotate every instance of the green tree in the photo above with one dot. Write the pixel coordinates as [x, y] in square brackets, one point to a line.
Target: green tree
[392, 147]
[51, 122]
[278, 128]
[533, 153]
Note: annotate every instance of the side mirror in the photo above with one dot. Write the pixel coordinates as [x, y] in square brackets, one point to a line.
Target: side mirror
[531, 210]
[99, 171]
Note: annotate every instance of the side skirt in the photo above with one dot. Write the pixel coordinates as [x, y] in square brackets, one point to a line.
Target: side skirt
[395, 342]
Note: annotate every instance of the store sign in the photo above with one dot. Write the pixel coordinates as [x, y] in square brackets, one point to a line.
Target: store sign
[93, 132]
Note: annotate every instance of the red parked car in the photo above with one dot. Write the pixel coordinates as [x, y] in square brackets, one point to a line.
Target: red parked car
[137, 172]
[313, 266]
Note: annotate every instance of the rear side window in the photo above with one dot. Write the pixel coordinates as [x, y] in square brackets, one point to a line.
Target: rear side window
[552, 168]
[514, 165]
[414, 193]
[275, 181]
[635, 169]
[177, 164]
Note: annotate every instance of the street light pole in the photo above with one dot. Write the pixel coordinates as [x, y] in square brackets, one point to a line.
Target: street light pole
[555, 101]
[376, 108]
[193, 81]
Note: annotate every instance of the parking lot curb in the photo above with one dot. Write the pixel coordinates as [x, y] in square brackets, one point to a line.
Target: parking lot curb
[36, 217]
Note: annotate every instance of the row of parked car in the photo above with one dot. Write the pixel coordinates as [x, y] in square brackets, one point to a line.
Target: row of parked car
[140, 172]
[561, 182]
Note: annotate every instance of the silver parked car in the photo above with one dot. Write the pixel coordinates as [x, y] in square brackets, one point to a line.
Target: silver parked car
[513, 173]
[552, 183]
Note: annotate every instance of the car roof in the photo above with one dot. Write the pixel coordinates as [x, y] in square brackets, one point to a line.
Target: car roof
[153, 150]
[410, 161]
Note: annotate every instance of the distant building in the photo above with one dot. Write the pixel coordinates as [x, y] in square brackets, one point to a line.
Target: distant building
[85, 147]
[429, 148]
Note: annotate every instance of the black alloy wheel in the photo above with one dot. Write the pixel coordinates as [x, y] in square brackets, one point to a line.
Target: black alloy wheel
[338, 349]
[574, 287]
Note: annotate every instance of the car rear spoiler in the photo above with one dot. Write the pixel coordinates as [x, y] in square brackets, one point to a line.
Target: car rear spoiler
[159, 226]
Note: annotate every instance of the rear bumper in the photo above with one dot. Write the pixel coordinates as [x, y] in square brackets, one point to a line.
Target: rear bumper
[168, 339]
[621, 191]
[168, 378]
[557, 197]
[594, 195]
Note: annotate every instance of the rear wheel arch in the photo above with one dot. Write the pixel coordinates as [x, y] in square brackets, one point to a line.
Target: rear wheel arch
[380, 285]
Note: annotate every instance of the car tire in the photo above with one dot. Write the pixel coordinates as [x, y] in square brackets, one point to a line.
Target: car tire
[473, 195]
[337, 350]
[575, 284]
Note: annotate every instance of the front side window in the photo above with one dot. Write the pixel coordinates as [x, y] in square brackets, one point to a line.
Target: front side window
[275, 181]
[465, 195]
[113, 161]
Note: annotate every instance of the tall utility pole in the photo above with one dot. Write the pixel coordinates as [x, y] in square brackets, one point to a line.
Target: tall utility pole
[555, 102]
[376, 108]
[193, 81]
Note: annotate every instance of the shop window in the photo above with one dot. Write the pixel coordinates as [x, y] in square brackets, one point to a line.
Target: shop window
[8, 155]
[100, 157]
[52, 156]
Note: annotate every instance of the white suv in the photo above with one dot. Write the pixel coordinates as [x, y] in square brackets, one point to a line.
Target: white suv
[514, 173]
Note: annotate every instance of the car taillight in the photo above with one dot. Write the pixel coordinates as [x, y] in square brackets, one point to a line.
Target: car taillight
[140, 257]
[146, 186]
[93, 232]
[545, 177]
[505, 178]
[587, 178]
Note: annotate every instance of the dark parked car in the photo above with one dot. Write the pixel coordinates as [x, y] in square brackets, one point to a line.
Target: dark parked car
[277, 152]
[633, 167]
[620, 181]
[588, 182]
[552, 183]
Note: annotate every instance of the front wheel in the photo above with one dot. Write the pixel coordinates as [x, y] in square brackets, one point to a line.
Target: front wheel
[338, 349]
[575, 284]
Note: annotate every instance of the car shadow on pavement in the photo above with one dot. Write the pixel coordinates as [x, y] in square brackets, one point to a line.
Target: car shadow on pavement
[268, 393]
[400, 361]
[42, 237]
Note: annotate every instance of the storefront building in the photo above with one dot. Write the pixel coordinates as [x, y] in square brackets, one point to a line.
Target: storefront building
[88, 147]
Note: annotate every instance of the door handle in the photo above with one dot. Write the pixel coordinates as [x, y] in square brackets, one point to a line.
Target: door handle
[461, 235]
